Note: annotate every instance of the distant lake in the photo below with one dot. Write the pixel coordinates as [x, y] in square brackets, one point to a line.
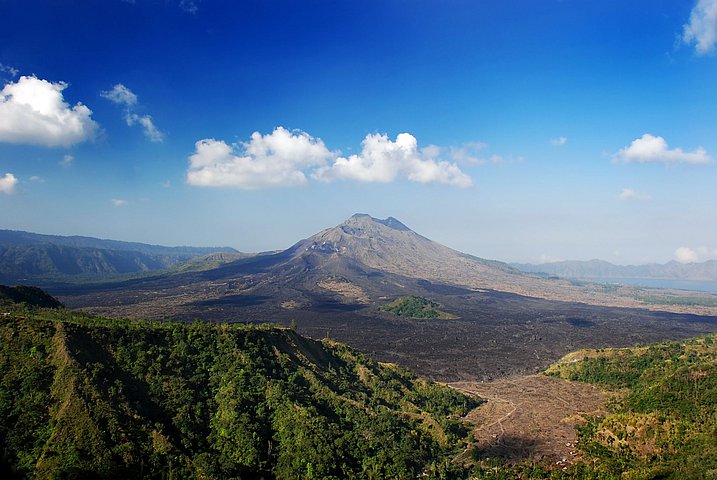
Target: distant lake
[699, 285]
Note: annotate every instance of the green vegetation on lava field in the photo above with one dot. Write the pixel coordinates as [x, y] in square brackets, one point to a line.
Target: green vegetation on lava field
[411, 306]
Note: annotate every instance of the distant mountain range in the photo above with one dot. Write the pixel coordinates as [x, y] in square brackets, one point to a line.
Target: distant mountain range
[34, 258]
[596, 269]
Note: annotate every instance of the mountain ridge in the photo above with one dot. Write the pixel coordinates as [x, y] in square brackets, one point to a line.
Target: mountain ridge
[21, 237]
[37, 258]
[90, 397]
[596, 268]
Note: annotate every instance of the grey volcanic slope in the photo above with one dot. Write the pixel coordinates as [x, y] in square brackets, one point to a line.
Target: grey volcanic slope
[390, 246]
[335, 282]
[706, 271]
[364, 245]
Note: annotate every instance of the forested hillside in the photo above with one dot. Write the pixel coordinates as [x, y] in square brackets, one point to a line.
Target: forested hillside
[663, 420]
[42, 259]
[133, 399]
[89, 397]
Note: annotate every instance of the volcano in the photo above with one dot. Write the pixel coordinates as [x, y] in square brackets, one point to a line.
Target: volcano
[495, 319]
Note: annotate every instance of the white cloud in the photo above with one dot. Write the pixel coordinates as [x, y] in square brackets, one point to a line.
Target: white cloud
[470, 154]
[630, 194]
[9, 70]
[272, 160]
[654, 149]
[67, 161]
[284, 158]
[702, 27]
[693, 255]
[544, 258]
[123, 96]
[150, 131]
[189, 6]
[120, 95]
[7, 183]
[36, 179]
[559, 141]
[33, 111]
[466, 154]
[383, 160]
[501, 160]
[118, 202]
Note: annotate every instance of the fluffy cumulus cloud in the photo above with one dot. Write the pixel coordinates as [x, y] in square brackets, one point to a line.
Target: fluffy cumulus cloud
[693, 255]
[284, 158]
[384, 160]
[654, 149]
[124, 97]
[631, 194]
[276, 159]
[702, 27]
[33, 111]
[559, 141]
[7, 183]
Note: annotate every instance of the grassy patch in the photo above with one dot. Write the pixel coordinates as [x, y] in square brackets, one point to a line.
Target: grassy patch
[411, 306]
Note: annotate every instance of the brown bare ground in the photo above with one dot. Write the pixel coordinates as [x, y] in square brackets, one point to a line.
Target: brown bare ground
[345, 289]
[531, 417]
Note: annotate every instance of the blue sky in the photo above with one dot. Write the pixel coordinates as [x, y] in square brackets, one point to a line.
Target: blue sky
[514, 130]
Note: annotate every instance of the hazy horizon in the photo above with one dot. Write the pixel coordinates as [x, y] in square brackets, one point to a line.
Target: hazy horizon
[516, 131]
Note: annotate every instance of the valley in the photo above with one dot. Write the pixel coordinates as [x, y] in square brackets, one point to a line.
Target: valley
[379, 240]
[404, 303]
[335, 284]
[96, 397]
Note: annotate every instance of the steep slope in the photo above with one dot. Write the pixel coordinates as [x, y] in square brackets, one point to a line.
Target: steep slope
[86, 397]
[663, 421]
[388, 245]
[364, 243]
[30, 257]
[31, 296]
